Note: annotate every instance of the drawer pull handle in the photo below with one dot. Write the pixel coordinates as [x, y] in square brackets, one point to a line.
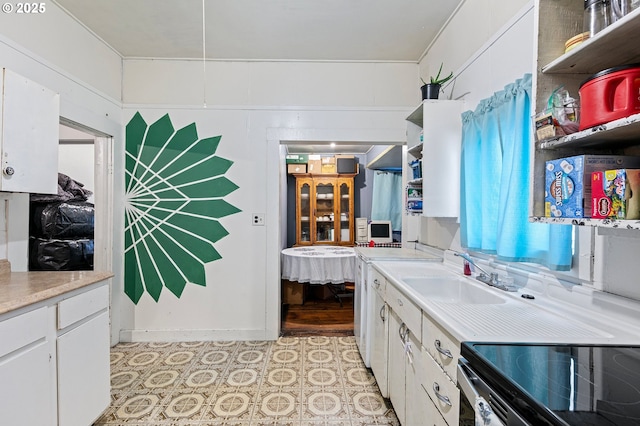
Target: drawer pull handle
[382, 316]
[445, 352]
[445, 399]
[377, 283]
[400, 302]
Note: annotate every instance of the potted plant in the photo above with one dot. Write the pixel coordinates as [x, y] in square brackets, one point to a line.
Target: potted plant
[432, 89]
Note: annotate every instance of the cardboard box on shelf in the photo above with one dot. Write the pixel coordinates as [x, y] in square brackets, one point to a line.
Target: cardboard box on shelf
[314, 166]
[296, 158]
[329, 168]
[329, 160]
[616, 194]
[568, 182]
[296, 168]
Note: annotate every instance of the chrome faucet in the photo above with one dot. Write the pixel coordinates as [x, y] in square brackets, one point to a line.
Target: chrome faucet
[492, 279]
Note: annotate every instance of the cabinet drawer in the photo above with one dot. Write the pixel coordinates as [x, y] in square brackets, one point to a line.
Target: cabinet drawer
[432, 414]
[443, 392]
[78, 307]
[442, 347]
[409, 312]
[378, 283]
[21, 330]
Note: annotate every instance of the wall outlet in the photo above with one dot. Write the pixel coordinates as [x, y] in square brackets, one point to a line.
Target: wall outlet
[257, 219]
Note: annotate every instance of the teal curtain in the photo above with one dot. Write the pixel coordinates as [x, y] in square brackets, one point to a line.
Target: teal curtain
[495, 182]
[386, 201]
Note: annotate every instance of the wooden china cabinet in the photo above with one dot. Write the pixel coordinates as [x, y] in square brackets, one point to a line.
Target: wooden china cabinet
[324, 209]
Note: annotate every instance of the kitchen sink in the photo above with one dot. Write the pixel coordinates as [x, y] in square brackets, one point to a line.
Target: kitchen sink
[448, 289]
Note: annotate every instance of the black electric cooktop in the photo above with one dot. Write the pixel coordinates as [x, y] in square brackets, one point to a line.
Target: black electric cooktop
[563, 384]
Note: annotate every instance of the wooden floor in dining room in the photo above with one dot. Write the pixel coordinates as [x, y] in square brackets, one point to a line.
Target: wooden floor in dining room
[320, 313]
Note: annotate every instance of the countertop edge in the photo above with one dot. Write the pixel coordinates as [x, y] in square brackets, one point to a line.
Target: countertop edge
[22, 289]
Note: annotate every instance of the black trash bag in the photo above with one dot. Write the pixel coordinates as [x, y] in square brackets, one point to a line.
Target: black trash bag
[61, 255]
[72, 219]
[68, 189]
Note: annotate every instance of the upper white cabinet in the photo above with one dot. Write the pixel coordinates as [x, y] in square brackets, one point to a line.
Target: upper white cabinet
[30, 116]
[440, 124]
[616, 45]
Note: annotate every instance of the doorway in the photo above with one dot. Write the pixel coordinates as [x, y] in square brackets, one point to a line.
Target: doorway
[318, 309]
[88, 157]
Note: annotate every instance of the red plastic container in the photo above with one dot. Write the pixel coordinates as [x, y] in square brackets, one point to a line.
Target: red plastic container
[609, 95]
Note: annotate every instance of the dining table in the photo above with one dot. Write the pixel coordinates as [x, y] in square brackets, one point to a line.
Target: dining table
[319, 264]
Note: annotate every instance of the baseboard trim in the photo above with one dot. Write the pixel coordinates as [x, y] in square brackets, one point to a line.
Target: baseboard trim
[193, 335]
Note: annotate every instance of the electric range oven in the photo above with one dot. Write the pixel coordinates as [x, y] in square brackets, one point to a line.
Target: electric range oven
[549, 384]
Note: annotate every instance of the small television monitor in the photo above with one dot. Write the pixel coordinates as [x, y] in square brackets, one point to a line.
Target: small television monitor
[379, 231]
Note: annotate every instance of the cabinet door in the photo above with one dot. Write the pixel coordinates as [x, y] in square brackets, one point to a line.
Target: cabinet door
[325, 211]
[441, 158]
[30, 126]
[345, 207]
[304, 209]
[397, 365]
[83, 372]
[418, 402]
[380, 343]
[26, 371]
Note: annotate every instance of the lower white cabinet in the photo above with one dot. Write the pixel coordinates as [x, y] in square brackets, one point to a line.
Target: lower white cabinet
[405, 369]
[54, 361]
[380, 342]
[83, 357]
[397, 365]
[413, 360]
[26, 370]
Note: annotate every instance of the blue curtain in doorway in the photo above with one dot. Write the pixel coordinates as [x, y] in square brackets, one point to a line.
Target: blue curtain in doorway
[386, 202]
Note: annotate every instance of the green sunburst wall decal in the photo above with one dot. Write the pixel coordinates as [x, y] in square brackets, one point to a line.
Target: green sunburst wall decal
[175, 186]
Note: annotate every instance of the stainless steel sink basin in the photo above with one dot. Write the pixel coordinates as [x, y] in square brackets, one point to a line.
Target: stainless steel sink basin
[447, 289]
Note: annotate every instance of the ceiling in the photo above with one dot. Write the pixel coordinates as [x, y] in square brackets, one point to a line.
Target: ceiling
[257, 30]
[332, 30]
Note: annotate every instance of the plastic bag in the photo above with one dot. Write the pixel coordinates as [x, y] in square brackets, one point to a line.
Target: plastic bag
[73, 219]
[60, 255]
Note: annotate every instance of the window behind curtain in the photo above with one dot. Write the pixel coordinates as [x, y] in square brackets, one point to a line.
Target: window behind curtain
[495, 183]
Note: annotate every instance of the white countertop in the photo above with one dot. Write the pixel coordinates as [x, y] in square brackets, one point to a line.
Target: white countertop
[388, 253]
[556, 315]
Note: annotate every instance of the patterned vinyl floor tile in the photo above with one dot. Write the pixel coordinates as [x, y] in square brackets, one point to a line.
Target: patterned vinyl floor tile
[297, 381]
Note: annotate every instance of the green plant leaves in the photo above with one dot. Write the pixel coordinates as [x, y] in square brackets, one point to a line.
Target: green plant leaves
[175, 186]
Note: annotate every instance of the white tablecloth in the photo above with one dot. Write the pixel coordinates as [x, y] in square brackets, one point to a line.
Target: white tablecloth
[319, 264]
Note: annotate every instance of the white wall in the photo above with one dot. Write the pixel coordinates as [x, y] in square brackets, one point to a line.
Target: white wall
[54, 51]
[473, 24]
[254, 106]
[487, 46]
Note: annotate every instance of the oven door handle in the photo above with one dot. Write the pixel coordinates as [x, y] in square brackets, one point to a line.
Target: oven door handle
[465, 382]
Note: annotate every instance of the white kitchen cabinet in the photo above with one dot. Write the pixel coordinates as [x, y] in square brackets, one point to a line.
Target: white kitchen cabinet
[397, 395]
[442, 347]
[405, 362]
[416, 399]
[83, 357]
[29, 115]
[380, 343]
[441, 126]
[54, 360]
[26, 370]
[442, 391]
[438, 377]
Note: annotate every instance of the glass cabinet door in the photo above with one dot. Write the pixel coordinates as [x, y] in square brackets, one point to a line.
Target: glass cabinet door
[324, 214]
[345, 213]
[305, 212]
